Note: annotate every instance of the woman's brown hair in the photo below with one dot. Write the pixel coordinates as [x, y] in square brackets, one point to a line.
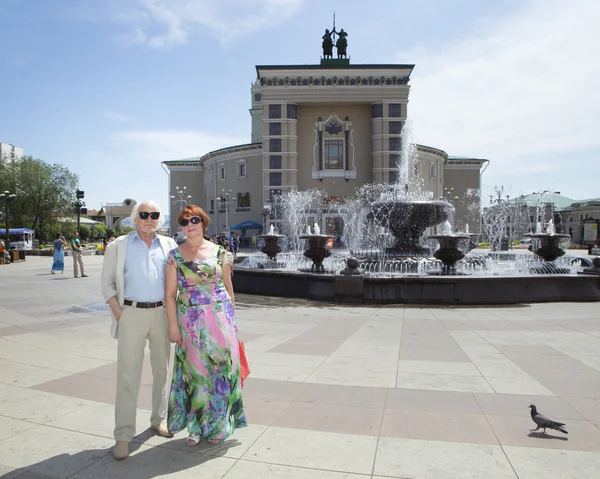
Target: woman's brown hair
[194, 210]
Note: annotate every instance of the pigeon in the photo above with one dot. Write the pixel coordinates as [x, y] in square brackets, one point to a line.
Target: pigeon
[543, 421]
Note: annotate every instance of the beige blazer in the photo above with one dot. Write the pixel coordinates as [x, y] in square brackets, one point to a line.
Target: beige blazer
[112, 279]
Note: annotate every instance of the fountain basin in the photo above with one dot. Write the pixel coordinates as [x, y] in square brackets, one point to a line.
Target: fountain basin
[408, 220]
[442, 290]
[271, 247]
[317, 250]
[550, 249]
[449, 253]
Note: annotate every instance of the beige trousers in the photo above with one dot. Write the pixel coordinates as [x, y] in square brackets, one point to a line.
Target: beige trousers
[137, 325]
[77, 262]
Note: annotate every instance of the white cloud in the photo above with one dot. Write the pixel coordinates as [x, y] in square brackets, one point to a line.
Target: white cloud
[524, 85]
[165, 23]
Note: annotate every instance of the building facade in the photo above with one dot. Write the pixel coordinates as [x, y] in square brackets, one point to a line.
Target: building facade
[332, 126]
[9, 151]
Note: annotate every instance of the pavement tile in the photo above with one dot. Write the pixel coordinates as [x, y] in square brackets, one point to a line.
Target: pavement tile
[260, 470]
[443, 401]
[437, 426]
[61, 453]
[533, 463]
[416, 458]
[330, 418]
[354, 396]
[315, 449]
[513, 431]
[146, 462]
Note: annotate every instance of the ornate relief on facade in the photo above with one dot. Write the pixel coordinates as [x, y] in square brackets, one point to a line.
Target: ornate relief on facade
[333, 148]
[334, 81]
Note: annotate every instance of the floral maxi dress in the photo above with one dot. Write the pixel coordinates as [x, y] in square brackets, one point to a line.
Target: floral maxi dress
[206, 391]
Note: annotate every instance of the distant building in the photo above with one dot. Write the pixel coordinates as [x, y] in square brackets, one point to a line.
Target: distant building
[9, 151]
[580, 216]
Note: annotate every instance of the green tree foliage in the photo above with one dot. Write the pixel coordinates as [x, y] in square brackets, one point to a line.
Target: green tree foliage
[98, 232]
[84, 233]
[44, 193]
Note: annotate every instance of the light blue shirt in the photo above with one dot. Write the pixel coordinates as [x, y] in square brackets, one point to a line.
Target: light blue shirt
[144, 270]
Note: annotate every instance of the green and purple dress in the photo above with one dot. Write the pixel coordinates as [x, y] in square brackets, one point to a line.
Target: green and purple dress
[206, 391]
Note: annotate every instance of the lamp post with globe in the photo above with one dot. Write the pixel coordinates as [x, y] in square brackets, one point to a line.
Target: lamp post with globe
[7, 196]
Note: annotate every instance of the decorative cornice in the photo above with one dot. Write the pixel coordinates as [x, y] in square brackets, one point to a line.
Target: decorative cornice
[310, 81]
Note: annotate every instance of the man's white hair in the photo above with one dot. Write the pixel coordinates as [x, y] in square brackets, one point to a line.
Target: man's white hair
[149, 203]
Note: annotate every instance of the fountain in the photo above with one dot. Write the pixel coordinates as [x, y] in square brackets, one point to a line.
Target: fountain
[271, 247]
[386, 261]
[317, 248]
[407, 221]
[449, 253]
[549, 249]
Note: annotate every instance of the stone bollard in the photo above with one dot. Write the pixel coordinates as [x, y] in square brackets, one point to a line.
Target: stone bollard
[349, 284]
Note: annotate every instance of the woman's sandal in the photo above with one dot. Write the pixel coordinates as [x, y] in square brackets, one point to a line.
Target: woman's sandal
[193, 440]
[214, 441]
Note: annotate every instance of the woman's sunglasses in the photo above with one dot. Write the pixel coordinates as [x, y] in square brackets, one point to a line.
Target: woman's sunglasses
[154, 215]
[195, 220]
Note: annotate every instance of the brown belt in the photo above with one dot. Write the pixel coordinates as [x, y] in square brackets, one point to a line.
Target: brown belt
[139, 304]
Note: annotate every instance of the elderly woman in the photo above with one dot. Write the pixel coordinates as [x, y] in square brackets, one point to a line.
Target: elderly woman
[206, 391]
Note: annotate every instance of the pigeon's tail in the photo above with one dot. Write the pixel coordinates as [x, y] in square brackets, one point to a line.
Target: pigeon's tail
[558, 426]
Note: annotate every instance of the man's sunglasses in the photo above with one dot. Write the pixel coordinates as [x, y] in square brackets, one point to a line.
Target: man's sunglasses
[195, 220]
[154, 215]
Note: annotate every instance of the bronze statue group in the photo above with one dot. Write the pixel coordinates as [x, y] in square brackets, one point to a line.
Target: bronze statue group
[341, 44]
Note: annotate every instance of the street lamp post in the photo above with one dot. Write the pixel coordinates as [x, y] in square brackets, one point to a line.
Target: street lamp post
[224, 198]
[182, 198]
[7, 196]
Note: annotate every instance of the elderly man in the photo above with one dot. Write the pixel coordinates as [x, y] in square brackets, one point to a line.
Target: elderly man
[133, 285]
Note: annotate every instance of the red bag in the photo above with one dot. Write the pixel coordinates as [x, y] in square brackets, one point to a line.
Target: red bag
[244, 366]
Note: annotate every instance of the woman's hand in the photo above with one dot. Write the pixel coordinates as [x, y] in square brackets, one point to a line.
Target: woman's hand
[175, 335]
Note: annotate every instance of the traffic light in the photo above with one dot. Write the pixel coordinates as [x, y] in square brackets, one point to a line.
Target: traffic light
[80, 194]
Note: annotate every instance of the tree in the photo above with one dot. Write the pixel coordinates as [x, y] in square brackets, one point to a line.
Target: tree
[44, 192]
[99, 232]
[84, 232]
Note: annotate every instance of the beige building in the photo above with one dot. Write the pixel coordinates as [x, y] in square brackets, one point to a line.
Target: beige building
[332, 126]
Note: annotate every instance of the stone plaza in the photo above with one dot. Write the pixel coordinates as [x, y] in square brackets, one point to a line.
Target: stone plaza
[336, 392]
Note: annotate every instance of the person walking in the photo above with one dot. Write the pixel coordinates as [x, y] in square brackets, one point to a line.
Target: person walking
[206, 390]
[58, 260]
[133, 285]
[77, 256]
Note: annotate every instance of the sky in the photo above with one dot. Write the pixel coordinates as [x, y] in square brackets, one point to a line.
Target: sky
[110, 88]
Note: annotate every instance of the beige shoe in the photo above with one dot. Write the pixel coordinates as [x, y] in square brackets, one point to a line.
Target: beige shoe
[162, 430]
[121, 450]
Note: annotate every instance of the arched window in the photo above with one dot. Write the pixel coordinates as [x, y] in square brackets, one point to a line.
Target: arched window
[240, 200]
[247, 200]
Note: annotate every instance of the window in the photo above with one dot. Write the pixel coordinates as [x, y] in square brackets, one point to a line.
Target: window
[212, 206]
[395, 109]
[395, 127]
[393, 177]
[334, 154]
[243, 201]
[275, 162]
[432, 170]
[275, 145]
[376, 110]
[395, 144]
[274, 179]
[242, 172]
[275, 128]
[222, 172]
[274, 111]
[394, 160]
[292, 111]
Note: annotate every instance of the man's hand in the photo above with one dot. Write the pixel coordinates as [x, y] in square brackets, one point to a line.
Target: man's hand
[117, 312]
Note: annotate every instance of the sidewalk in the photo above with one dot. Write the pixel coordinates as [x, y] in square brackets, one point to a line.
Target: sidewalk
[335, 392]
